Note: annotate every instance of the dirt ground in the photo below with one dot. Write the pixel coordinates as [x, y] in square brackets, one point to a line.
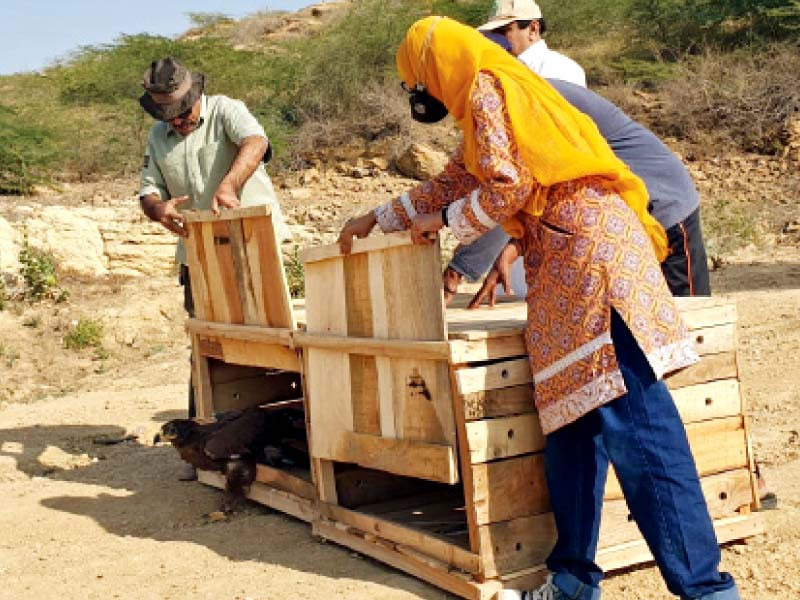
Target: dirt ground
[85, 520]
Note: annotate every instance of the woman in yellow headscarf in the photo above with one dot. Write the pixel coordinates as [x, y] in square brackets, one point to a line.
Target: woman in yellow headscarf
[602, 325]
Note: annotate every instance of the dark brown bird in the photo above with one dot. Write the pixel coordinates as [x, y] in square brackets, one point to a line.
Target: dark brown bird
[233, 445]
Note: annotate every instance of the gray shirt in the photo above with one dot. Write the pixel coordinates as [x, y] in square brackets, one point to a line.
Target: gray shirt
[673, 196]
[194, 165]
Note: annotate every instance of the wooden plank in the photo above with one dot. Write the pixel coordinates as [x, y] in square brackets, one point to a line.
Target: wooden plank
[257, 354]
[697, 315]
[195, 255]
[197, 216]
[284, 481]
[385, 394]
[201, 381]
[375, 346]
[224, 253]
[364, 386]
[434, 462]
[248, 333]
[244, 279]
[300, 508]
[508, 489]
[717, 445]
[263, 250]
[710, 400]
[715, 339]
[465, 351]
[368, 244]
[501, 402]
[392, 555]
[327, 372]
[450, 554]
[503, 437]
[499, 375]
[711, 368]
[214, 280]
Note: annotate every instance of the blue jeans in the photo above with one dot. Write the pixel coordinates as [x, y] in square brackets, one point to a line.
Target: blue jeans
[642, 435]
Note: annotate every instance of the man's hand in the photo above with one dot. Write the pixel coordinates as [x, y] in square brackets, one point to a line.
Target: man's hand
[166, 213]
[358, 227]
[224, 197]
[424, 227]
[500, 273]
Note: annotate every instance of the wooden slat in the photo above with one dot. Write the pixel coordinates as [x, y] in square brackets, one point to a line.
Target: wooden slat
[499, 375]
[368, 244]
[710, 400]
[224, 252]
[195, 256]
[264, 256]
[257, 354]
[696, 315]
[430, 570]
[248, 333]
[201, 381]
[195, 216]
[503, 437]
[434, 462]
[214, 280]
[284, 481]
[464, 351]
[508, 489]
[710, 368]
[450, 554]
[501, 402]
[715, 339]
[375, 346]
[244, 279]
[300, 508]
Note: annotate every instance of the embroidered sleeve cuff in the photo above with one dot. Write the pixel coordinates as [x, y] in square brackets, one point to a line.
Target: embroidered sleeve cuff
[468, 221]
[387, 218]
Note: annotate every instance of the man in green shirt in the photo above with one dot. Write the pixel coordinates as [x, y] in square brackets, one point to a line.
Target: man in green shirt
[204, 153]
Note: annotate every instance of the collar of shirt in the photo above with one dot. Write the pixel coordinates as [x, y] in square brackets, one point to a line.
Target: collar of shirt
[200, 121]
[535, 55]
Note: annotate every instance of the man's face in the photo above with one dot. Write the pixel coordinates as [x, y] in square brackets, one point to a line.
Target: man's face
[520, 39]
[187, 122]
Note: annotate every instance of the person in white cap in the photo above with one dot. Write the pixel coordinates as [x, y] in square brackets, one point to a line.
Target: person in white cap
[521, 22]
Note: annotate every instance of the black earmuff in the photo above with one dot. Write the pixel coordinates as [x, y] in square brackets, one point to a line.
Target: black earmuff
[424, 107]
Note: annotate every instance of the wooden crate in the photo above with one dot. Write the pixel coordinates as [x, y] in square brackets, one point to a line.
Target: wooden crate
[242, 348]
[398, 385]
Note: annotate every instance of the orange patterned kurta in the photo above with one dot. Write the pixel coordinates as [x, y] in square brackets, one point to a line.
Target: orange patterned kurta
[586, 254]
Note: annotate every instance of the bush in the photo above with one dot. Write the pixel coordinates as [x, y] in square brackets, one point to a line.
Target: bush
[39, 274]
[295, 274]
[738, 99]
[24, 153]
[86, 333]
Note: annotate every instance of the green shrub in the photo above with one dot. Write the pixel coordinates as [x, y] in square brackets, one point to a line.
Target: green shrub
[39, 274]
[86, 333]
[24, 152]
[295, 274]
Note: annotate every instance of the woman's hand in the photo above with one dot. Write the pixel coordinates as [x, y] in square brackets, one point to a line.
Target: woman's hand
[424, 227]
[500, 273]
[358, 227]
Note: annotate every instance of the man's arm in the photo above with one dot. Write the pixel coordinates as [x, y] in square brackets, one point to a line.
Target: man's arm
[165, 212]
[251, 151]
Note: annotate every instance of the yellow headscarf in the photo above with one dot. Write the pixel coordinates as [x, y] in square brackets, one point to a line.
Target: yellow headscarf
[557, 142]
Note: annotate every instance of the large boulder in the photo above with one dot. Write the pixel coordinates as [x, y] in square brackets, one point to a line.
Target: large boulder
[72, 238]
[420, 161]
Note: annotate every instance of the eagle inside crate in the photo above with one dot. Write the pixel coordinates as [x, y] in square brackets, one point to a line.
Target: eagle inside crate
[236, 442]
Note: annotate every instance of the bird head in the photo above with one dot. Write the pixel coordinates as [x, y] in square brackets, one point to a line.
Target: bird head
[176, 431]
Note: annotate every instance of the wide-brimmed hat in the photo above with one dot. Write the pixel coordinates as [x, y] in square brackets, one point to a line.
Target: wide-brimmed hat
[507, 11]
[171, 89]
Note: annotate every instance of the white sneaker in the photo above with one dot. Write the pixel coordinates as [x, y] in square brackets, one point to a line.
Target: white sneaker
[547, 592]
